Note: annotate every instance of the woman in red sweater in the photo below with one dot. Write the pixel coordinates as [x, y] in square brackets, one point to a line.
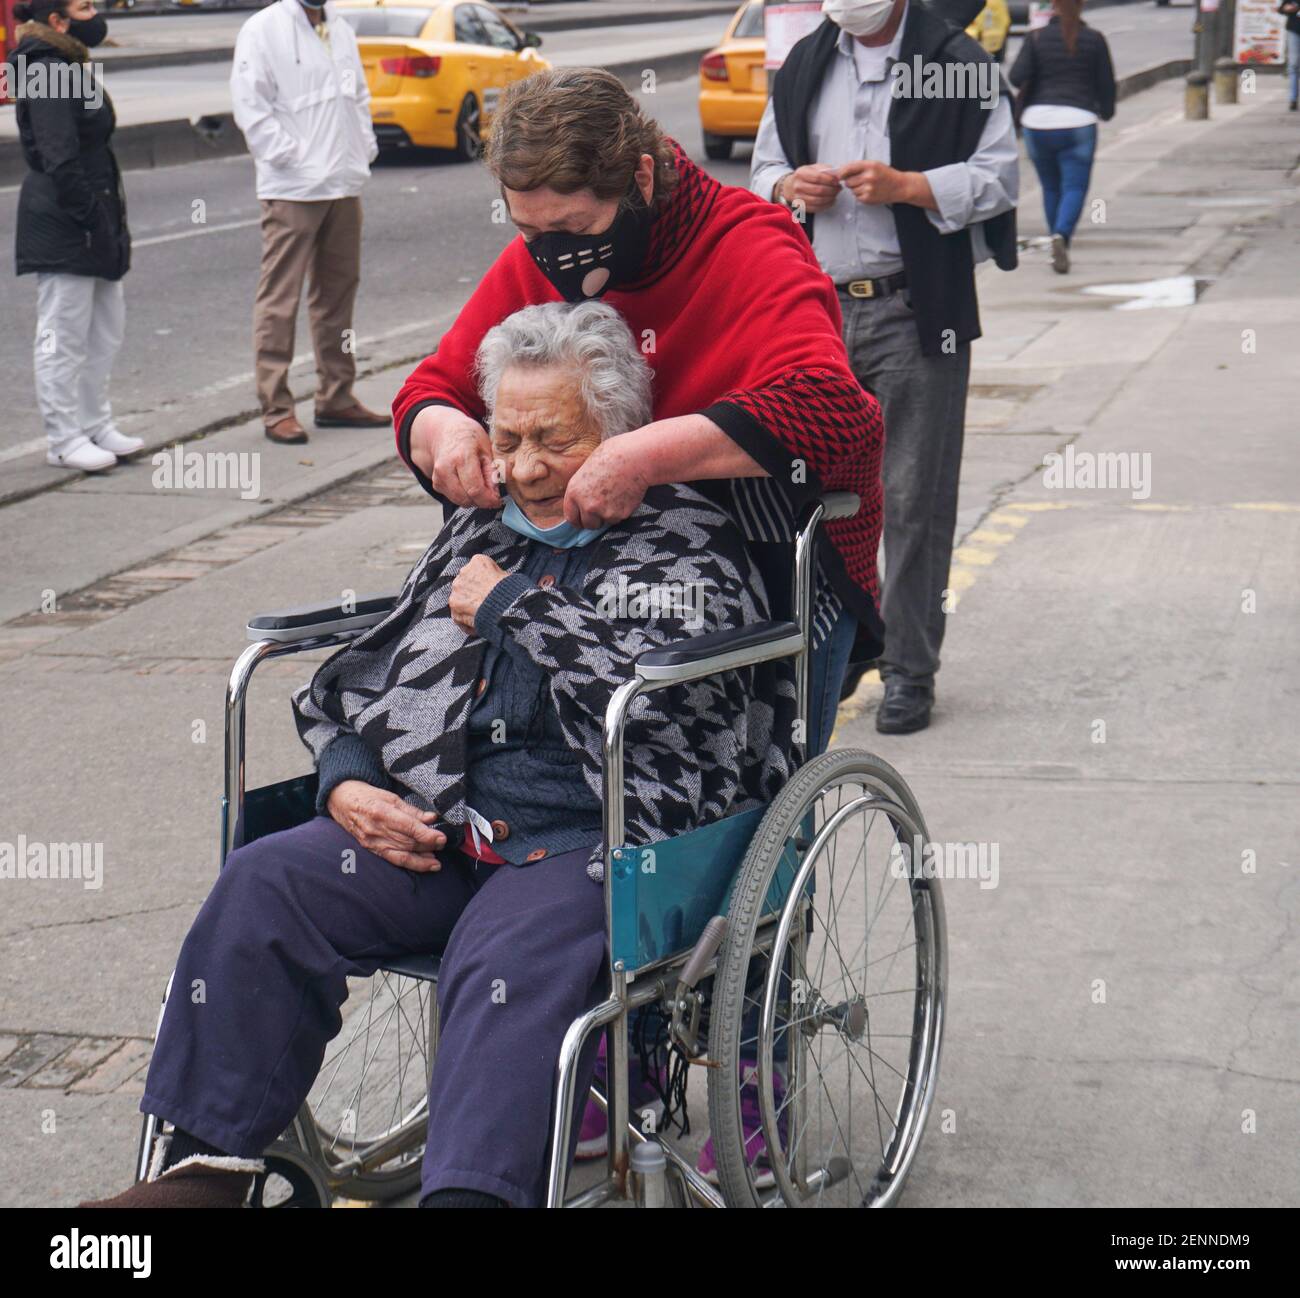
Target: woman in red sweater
[753, 389]
[754, 400]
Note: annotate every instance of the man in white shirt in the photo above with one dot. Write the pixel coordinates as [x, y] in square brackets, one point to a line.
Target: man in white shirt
[301, 100]
[888, 136]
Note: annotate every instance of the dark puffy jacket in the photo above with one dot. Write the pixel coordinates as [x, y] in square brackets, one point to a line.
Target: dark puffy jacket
[1049, 74]
[71, 209]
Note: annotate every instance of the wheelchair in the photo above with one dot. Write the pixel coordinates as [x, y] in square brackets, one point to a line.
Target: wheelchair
[804, 934]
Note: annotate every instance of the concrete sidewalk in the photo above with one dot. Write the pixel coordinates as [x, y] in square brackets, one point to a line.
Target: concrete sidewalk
[1117, 713]
[1119, 708]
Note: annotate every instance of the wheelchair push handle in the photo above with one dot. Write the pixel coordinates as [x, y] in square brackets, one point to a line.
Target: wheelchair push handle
[839, 504]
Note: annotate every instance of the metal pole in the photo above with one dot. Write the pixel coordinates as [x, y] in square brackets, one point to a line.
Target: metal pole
[1206, 35]
[1227, 27]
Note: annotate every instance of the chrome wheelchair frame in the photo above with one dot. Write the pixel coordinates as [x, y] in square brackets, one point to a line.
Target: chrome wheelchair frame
[667, 979]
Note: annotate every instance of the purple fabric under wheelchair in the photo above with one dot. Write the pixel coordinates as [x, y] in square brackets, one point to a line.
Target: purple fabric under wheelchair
[284, 927]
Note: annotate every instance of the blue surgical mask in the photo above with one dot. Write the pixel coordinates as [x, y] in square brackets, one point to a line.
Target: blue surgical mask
[563, 536]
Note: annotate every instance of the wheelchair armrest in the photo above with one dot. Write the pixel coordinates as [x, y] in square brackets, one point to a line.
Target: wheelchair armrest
[290, 625]
[719, 651]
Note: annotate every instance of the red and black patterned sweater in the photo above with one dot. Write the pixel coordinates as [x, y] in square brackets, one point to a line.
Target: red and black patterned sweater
[740, 324]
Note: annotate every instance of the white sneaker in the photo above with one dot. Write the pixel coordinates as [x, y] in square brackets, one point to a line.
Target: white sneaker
[119, 443]
[87, 457]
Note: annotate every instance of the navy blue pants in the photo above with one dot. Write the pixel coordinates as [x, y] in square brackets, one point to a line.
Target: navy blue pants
[262, 974]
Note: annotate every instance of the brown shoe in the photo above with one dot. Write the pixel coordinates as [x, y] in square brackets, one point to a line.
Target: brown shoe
[198, 1182]
[288, 432]
[353, 416]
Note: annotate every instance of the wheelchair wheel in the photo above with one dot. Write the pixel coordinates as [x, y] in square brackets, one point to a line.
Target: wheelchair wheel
[368, 1108]
[827, 1018]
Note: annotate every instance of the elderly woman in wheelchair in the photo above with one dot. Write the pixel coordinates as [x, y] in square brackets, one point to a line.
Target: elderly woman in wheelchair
[571, 777]
[458, 747]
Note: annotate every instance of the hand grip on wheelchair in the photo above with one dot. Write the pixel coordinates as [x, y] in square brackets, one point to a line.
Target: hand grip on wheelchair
[839, 504]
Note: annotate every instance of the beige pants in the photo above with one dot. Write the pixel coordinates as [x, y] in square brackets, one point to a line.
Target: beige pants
[300, 240]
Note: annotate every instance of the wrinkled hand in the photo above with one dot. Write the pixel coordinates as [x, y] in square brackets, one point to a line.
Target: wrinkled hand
[472, 585]
[455, 452]
[816, 186]
[876, 182]
[385, 825]
[606, 489]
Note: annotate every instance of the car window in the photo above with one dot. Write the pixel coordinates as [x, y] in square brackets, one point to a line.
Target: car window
[386, 21]
[469, 30]
[498, 33]
[751, 22]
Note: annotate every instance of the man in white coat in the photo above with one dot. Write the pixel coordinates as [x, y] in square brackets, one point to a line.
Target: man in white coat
[301, 100]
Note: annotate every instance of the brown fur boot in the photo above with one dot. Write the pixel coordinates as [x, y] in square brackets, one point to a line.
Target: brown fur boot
[202, 1181]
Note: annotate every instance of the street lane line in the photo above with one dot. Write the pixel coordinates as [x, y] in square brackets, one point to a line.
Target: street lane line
[190, 234]
[305, 358]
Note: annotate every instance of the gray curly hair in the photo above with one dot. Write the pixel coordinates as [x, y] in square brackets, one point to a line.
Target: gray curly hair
[593, 340]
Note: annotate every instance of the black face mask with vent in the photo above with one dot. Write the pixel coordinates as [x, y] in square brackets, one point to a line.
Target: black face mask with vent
[583, 266]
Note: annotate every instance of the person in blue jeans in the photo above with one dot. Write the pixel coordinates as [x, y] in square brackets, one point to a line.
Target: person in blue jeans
[1066, 84]
[1291, 8]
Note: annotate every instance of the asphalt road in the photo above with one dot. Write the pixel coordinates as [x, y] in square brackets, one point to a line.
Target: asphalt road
[187, 359]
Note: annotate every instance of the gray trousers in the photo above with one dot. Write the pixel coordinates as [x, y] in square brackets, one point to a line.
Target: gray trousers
[924, 404]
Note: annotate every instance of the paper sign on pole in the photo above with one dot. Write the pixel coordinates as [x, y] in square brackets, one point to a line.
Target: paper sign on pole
[785, 23]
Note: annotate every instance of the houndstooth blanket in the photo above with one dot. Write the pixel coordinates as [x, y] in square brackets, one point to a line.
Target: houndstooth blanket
[677, 567]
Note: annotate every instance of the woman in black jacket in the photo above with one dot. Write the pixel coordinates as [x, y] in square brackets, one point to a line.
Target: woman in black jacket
[71, 230]
[1067, 83]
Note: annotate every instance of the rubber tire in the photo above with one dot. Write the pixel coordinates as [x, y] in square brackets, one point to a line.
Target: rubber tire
[717, 147]
[468, 107]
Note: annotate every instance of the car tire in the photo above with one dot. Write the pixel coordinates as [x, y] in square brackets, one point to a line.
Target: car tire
[469, 130]
[717, 147]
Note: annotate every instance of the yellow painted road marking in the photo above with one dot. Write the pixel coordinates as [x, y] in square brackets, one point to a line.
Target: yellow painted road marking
[982, 546]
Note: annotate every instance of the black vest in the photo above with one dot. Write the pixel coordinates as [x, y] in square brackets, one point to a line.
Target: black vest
[923, 133]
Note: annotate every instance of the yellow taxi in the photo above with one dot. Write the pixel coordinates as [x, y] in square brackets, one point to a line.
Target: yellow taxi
[436, 71]
[733, 83]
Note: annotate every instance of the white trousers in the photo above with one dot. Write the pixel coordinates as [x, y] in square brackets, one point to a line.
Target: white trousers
[79, 326]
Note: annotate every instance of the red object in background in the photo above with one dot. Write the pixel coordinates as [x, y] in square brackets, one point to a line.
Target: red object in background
[423, 65]
[714, 67]
[7, 41]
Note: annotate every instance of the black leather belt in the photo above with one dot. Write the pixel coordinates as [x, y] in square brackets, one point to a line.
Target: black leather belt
[874, 287]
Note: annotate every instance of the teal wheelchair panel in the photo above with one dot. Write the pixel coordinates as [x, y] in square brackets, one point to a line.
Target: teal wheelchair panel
[665, 893]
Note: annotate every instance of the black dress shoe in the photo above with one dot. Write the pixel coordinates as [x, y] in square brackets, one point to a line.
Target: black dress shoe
[905, 707]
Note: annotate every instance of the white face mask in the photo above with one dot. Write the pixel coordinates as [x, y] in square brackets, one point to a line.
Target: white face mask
[859, 17]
